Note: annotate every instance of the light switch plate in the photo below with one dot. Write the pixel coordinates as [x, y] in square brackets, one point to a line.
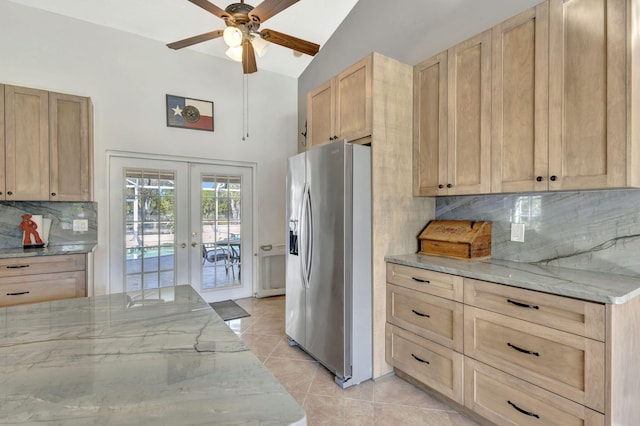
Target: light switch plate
[517, 232]
[80, 225]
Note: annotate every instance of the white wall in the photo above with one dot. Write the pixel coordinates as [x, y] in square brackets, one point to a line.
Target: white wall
[127, 77]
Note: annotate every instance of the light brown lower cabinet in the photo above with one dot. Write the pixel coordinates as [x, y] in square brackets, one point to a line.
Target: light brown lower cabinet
[43, 278]
[505, 399]
[528, 358]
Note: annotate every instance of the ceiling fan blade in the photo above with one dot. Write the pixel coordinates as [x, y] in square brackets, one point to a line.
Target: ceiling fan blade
[248, 58]
[195, 39]
[268, 8]
[291, 42]
[210, 7]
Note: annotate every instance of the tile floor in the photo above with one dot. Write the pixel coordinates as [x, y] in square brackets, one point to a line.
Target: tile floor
[387, 401]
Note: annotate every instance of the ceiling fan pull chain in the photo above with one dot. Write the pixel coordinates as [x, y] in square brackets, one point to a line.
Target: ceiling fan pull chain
[247, 77]
[243, 104]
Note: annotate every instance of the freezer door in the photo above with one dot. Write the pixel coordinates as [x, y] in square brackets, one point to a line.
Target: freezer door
[295, 304]
[325, 316]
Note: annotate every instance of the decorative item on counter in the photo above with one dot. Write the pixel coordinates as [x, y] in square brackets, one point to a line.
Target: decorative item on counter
[30, 225]
[460, 239]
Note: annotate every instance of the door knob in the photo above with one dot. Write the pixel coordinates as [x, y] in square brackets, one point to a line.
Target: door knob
[194, 244]
[183, 245]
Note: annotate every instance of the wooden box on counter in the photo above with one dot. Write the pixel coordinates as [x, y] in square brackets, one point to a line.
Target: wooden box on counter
[461, 239]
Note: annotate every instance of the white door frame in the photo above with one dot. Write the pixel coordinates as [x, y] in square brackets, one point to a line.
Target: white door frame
[111, 203]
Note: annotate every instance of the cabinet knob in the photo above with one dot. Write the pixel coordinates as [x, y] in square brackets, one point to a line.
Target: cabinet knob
[53, 194]
[553, 178]
[9, 193]
[440, 186]
[449, 185]
[539, 178]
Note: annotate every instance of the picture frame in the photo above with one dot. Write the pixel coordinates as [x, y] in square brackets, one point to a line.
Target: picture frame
[189, 113]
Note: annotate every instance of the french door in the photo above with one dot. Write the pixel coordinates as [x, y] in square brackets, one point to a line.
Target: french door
[176, 222]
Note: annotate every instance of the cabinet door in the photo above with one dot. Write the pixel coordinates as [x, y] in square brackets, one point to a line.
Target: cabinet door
[520, 105]
[70, 148]
[354, 101]
[587, 81]
[27, 143]
[2, 168]
[320, 115]
[469, 118]
[430, 126]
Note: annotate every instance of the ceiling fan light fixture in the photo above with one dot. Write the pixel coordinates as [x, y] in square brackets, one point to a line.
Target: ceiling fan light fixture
[261, 46]
[235, 53]
[232, 36]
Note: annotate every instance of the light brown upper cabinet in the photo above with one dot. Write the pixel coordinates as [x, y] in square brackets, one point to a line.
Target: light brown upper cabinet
[47, 147]
[520, 103]
[452, 120]
[26, 144]
[71, 149]
[341, 108]
[588, 140]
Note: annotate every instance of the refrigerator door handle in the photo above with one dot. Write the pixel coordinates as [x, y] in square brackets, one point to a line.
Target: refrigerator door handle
[307, 233]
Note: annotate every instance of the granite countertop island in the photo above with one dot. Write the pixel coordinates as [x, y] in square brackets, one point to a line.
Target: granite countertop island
[592, 286]
[108, 360]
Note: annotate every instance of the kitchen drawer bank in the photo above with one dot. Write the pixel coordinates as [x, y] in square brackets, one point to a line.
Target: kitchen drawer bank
[30, 276]
[512, 343]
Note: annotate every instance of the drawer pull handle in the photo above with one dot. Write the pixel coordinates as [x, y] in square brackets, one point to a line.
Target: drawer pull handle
[420, 314]
[17, 266]
[420, 359]
[18, 293]
[523, 305]
[420, 280]
[528, 413]
[524, 351]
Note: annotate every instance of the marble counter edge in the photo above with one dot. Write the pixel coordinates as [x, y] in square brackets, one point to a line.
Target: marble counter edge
[54, 250]
[591, 286]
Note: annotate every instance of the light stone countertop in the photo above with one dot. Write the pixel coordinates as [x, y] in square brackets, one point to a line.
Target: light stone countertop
[592, 286]
[107, 361]
[7, 253]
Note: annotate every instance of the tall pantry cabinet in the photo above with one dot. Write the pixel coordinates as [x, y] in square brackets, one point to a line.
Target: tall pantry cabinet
[46, 146]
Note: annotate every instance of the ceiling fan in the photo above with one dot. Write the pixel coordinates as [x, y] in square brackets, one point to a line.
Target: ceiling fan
[243, 23]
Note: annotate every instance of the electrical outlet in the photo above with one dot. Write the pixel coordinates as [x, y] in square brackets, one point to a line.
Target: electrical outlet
[80, 225]
[517, 232]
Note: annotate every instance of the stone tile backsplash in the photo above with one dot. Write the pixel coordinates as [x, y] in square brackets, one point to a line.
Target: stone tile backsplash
[61, 214]
[589, 230]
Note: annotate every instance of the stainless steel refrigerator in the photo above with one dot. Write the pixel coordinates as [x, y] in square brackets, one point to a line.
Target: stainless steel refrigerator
[328, 258]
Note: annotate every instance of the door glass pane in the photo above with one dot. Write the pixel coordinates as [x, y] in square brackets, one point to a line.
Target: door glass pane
[149, 238]
[221, 225]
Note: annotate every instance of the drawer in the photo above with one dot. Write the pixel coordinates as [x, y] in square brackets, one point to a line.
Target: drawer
[20, 266]
[425, 281]
[428, 316]
[434, 365]
[40, 288]
[506, 400]
[563, 313]
[569, 365]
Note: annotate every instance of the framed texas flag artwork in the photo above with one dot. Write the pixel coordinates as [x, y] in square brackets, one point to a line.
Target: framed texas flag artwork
[189, 113]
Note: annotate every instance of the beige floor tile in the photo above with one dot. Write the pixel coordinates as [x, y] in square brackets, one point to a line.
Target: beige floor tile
[261, 344]
[324, 384]
[390, 414]
[325, 410]
[461, 420]
[295, 376]
[267, 325]
[393, 390]
[283, 350]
